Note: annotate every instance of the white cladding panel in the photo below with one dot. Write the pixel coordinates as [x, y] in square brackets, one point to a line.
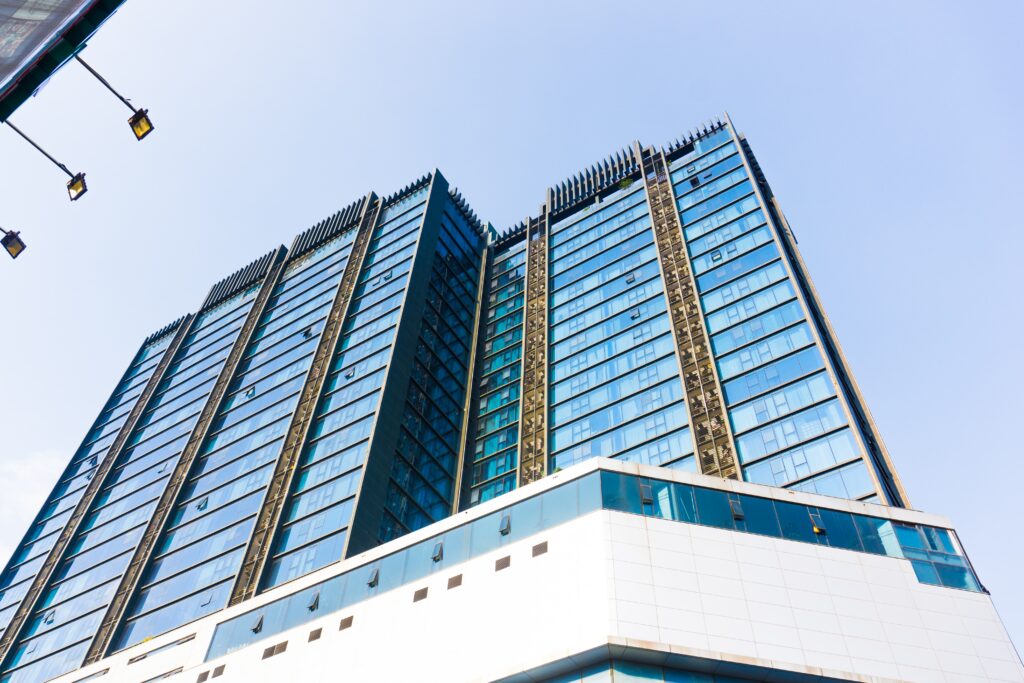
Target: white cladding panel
[799, 604]
[636, 582]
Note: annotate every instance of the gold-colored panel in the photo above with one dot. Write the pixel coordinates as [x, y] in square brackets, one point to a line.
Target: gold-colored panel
[708, 420]
[533, 421]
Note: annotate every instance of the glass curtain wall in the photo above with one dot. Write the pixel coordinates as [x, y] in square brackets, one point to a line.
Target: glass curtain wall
[330, 468]
[193, 566]
[496, 447]
[421, 488]
[30, 555]
[57, 636]
[615, 389]
[785, 412]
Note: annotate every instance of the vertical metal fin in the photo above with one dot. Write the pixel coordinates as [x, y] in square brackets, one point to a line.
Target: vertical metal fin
[708, 421]
[473, 372]
[42, 578]
[249, 576]
[270, 266]
[533, 429]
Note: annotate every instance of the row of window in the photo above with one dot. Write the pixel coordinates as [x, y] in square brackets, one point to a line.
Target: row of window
[257, 398]
[788, 431]
[212, 334]
[494, 470]
[932, 549]
[329, 468]
[15, 581]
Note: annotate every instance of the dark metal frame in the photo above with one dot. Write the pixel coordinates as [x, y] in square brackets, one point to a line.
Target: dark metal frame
[369, 505]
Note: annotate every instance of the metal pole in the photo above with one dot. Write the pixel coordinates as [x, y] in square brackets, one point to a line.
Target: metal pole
[44, 152]
[104, 82]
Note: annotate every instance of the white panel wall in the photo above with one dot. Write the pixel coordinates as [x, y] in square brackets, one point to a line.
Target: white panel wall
[634, 586]
[791, 603]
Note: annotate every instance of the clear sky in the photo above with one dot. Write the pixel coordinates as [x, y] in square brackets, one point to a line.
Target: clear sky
[891, 132]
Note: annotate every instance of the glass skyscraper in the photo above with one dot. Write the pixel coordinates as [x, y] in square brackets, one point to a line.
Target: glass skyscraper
[403, 361]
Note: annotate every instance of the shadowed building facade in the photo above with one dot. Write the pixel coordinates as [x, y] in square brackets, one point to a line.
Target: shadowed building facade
[403, 361]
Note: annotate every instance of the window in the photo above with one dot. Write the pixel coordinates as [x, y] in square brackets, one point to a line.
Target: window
[736, 507]
[646, 495]
[795, 522]
[502, 563]
[713, 508]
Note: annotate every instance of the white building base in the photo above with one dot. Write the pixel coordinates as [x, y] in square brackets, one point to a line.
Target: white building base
[618, 585]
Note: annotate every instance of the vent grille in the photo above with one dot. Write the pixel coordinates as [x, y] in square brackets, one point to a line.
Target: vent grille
[242, 278]
[691, 136]
[328, 228]
[408, 189]
[593, 180]
[467, 212]
[172, 327]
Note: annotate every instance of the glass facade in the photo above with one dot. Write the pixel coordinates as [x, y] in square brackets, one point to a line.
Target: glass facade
[22, 568]
[495, 455]
[421, 486]
[315, 524]
[57, 635]
[384, 444]
[788, 417]
[193, 566]
[615, 388]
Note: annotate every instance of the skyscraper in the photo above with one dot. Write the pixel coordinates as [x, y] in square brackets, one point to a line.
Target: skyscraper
[402, 361]
[671, 278]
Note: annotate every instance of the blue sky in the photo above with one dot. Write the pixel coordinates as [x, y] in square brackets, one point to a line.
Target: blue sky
[889, 131]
